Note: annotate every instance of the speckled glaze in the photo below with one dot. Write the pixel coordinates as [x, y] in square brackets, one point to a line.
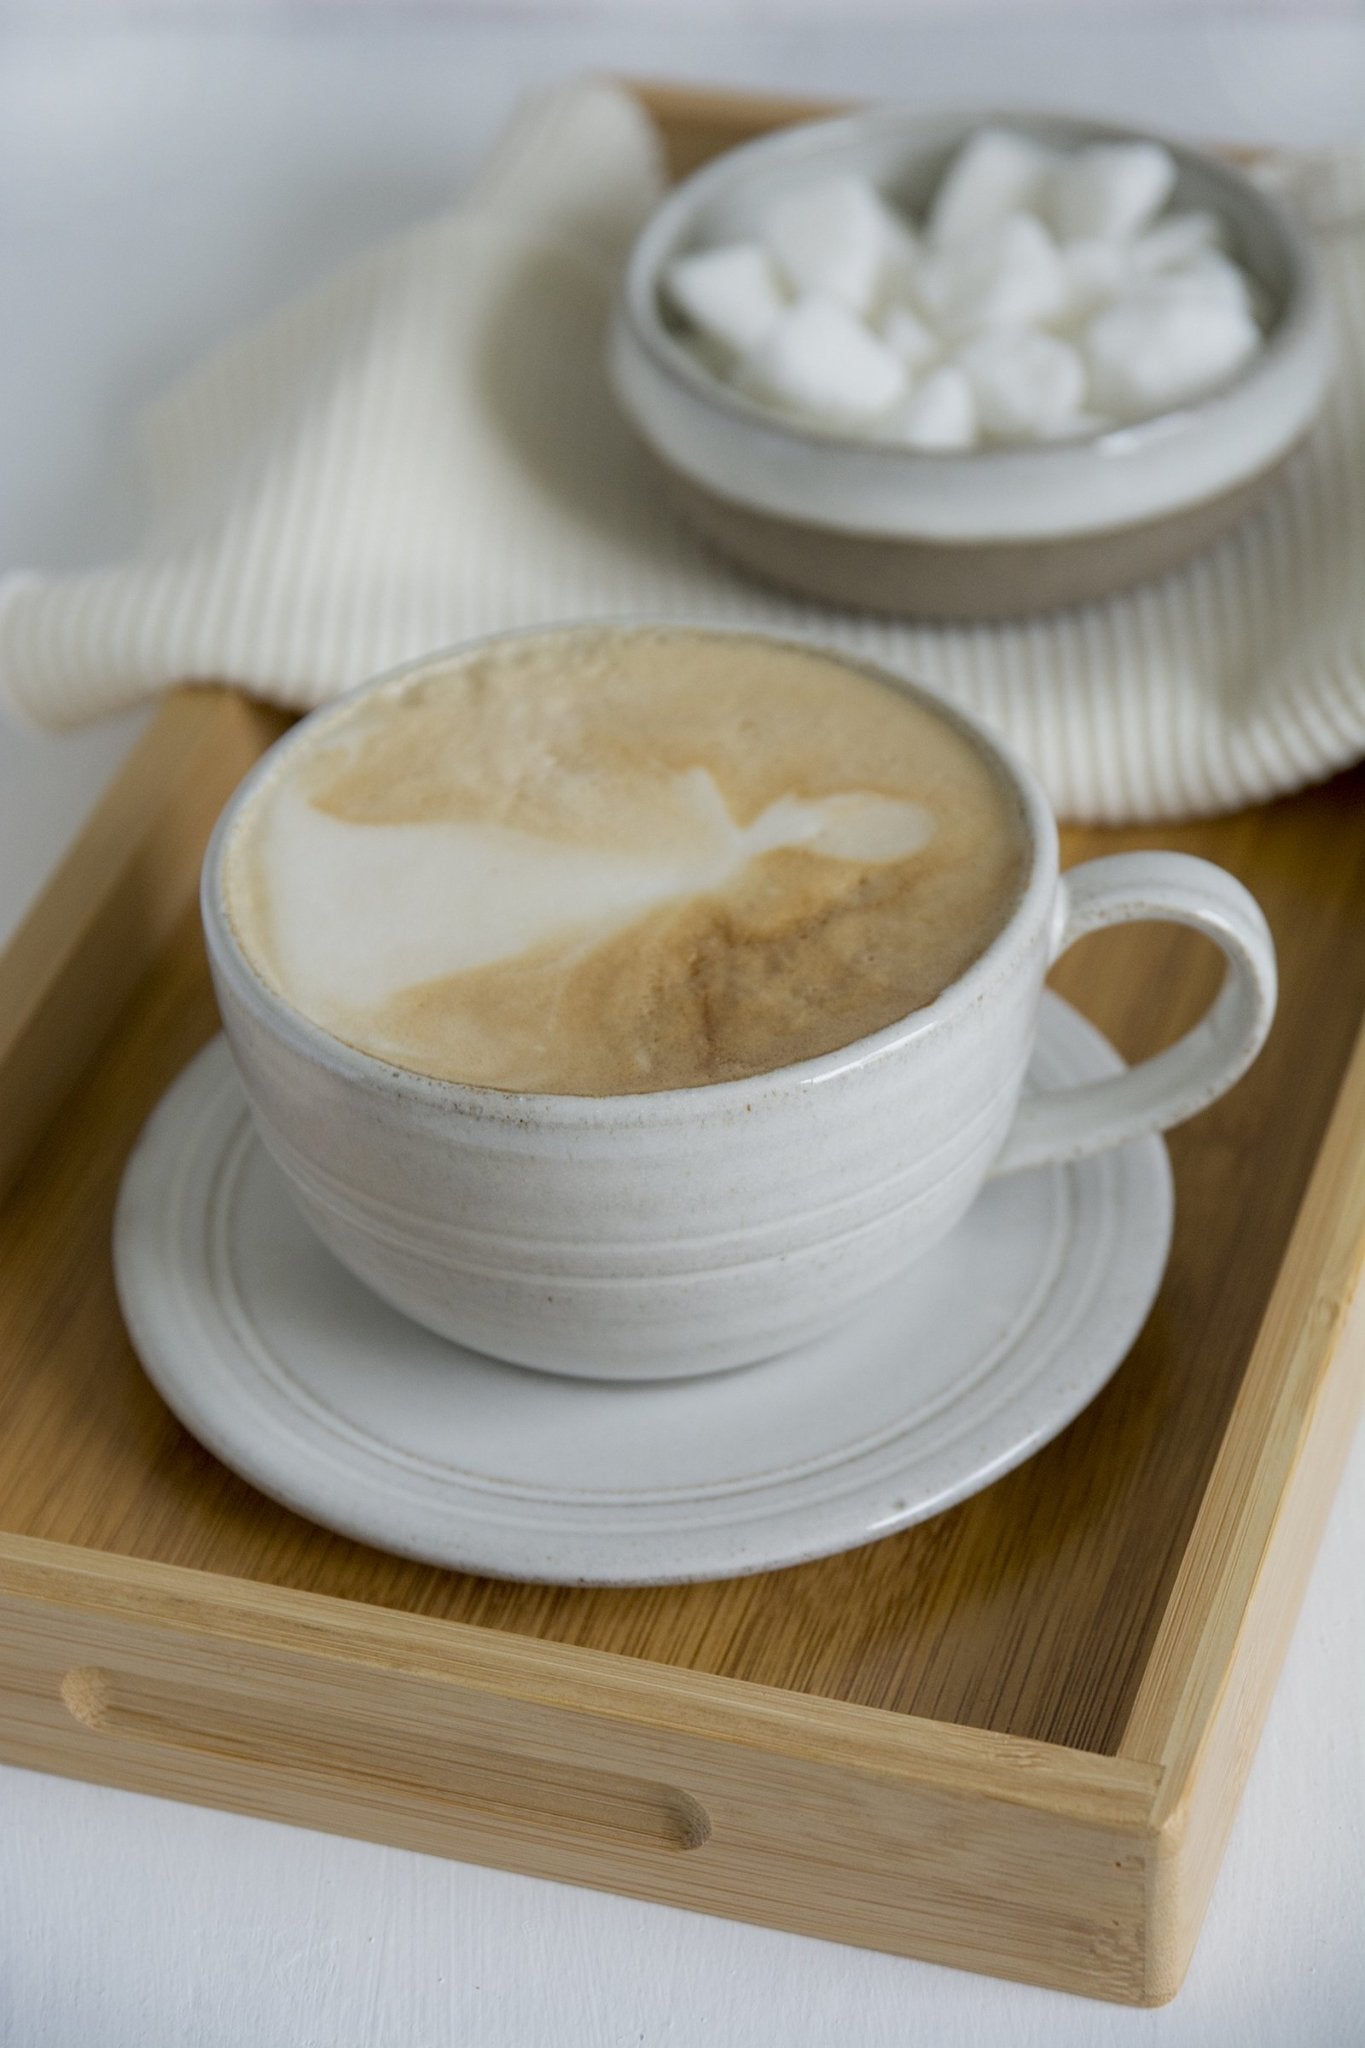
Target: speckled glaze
[684, 1232]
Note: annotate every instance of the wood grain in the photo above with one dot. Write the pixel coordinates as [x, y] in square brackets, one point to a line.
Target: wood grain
[1227, 1622]
[696, 122]
[726, 1798]
[113, 902]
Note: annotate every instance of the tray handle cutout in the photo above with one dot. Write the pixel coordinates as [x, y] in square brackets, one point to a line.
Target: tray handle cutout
[359, 1762]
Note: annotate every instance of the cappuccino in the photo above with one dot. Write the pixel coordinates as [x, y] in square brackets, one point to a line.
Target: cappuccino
[603, 861]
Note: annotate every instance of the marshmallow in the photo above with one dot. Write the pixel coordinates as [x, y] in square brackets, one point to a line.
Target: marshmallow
[994, 174]
[1111, 190]
[1175, 241]
[1211, 279]
[940, 413]
[1093, 273]
[730, 294]
[832, 238]
[1043, 300]
[1159, 349]
[1008, 275]
[818, 360]
[1025, 383]
[906, 335]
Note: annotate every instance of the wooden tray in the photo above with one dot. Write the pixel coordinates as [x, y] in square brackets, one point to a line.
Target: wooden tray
[1010, 1739]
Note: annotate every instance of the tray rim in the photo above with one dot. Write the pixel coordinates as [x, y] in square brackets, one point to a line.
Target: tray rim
[903, 1748]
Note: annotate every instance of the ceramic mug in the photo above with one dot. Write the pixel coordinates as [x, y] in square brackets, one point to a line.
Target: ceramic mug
[691, 1230]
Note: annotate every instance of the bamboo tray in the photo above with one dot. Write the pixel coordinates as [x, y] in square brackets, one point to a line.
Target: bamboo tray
[1011, 1739]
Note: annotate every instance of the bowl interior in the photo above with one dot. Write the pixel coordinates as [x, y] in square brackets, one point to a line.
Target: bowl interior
[905, 154]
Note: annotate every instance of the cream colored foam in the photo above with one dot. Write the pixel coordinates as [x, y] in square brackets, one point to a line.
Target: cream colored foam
[605, 861]
[476, 893]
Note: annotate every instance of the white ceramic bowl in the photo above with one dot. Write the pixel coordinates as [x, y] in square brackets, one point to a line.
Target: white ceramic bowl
[987, 533]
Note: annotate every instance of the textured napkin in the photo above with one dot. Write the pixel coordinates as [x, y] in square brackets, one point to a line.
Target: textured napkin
[424, 450]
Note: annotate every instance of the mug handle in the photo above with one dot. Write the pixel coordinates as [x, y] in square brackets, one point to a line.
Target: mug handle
[1175, 888]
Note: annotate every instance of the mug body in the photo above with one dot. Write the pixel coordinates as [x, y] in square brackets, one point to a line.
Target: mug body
[651, 1235]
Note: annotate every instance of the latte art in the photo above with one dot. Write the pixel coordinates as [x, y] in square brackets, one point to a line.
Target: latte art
[475, 893]
[599, 861]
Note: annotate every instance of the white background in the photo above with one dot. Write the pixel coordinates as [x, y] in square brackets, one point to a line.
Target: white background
[164, 176]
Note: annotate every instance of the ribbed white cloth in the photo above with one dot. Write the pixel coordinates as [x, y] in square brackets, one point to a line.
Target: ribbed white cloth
[425, 450]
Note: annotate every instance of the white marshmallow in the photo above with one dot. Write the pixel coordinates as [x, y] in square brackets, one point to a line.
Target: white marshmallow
[906, 335]
[1111, 190]
[1094, 272]
[1156, 350]
[832, 238]
[730, 294]
[994, 174]
[1007, 276]
[1175, 241]
[1210, 278]
[939, 413]
[846, 316]
[819, 361]
[1025, 383]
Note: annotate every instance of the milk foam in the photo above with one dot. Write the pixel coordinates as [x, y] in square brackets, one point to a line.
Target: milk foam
[600, 861]
[363, 912]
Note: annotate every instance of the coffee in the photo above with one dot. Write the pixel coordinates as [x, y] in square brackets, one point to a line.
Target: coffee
[605, 861]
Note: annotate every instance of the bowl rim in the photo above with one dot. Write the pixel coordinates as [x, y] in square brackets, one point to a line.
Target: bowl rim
[1034, 905]
[638, 295]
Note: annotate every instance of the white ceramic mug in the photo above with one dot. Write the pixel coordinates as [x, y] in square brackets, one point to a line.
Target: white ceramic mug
[655, 1235]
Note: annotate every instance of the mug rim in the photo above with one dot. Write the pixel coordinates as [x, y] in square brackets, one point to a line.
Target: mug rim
[352, 1064]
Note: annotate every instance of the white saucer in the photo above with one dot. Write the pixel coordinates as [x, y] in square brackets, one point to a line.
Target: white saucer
[314, 1390]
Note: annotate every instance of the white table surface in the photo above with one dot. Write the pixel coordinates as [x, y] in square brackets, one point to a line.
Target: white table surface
[160, 180]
